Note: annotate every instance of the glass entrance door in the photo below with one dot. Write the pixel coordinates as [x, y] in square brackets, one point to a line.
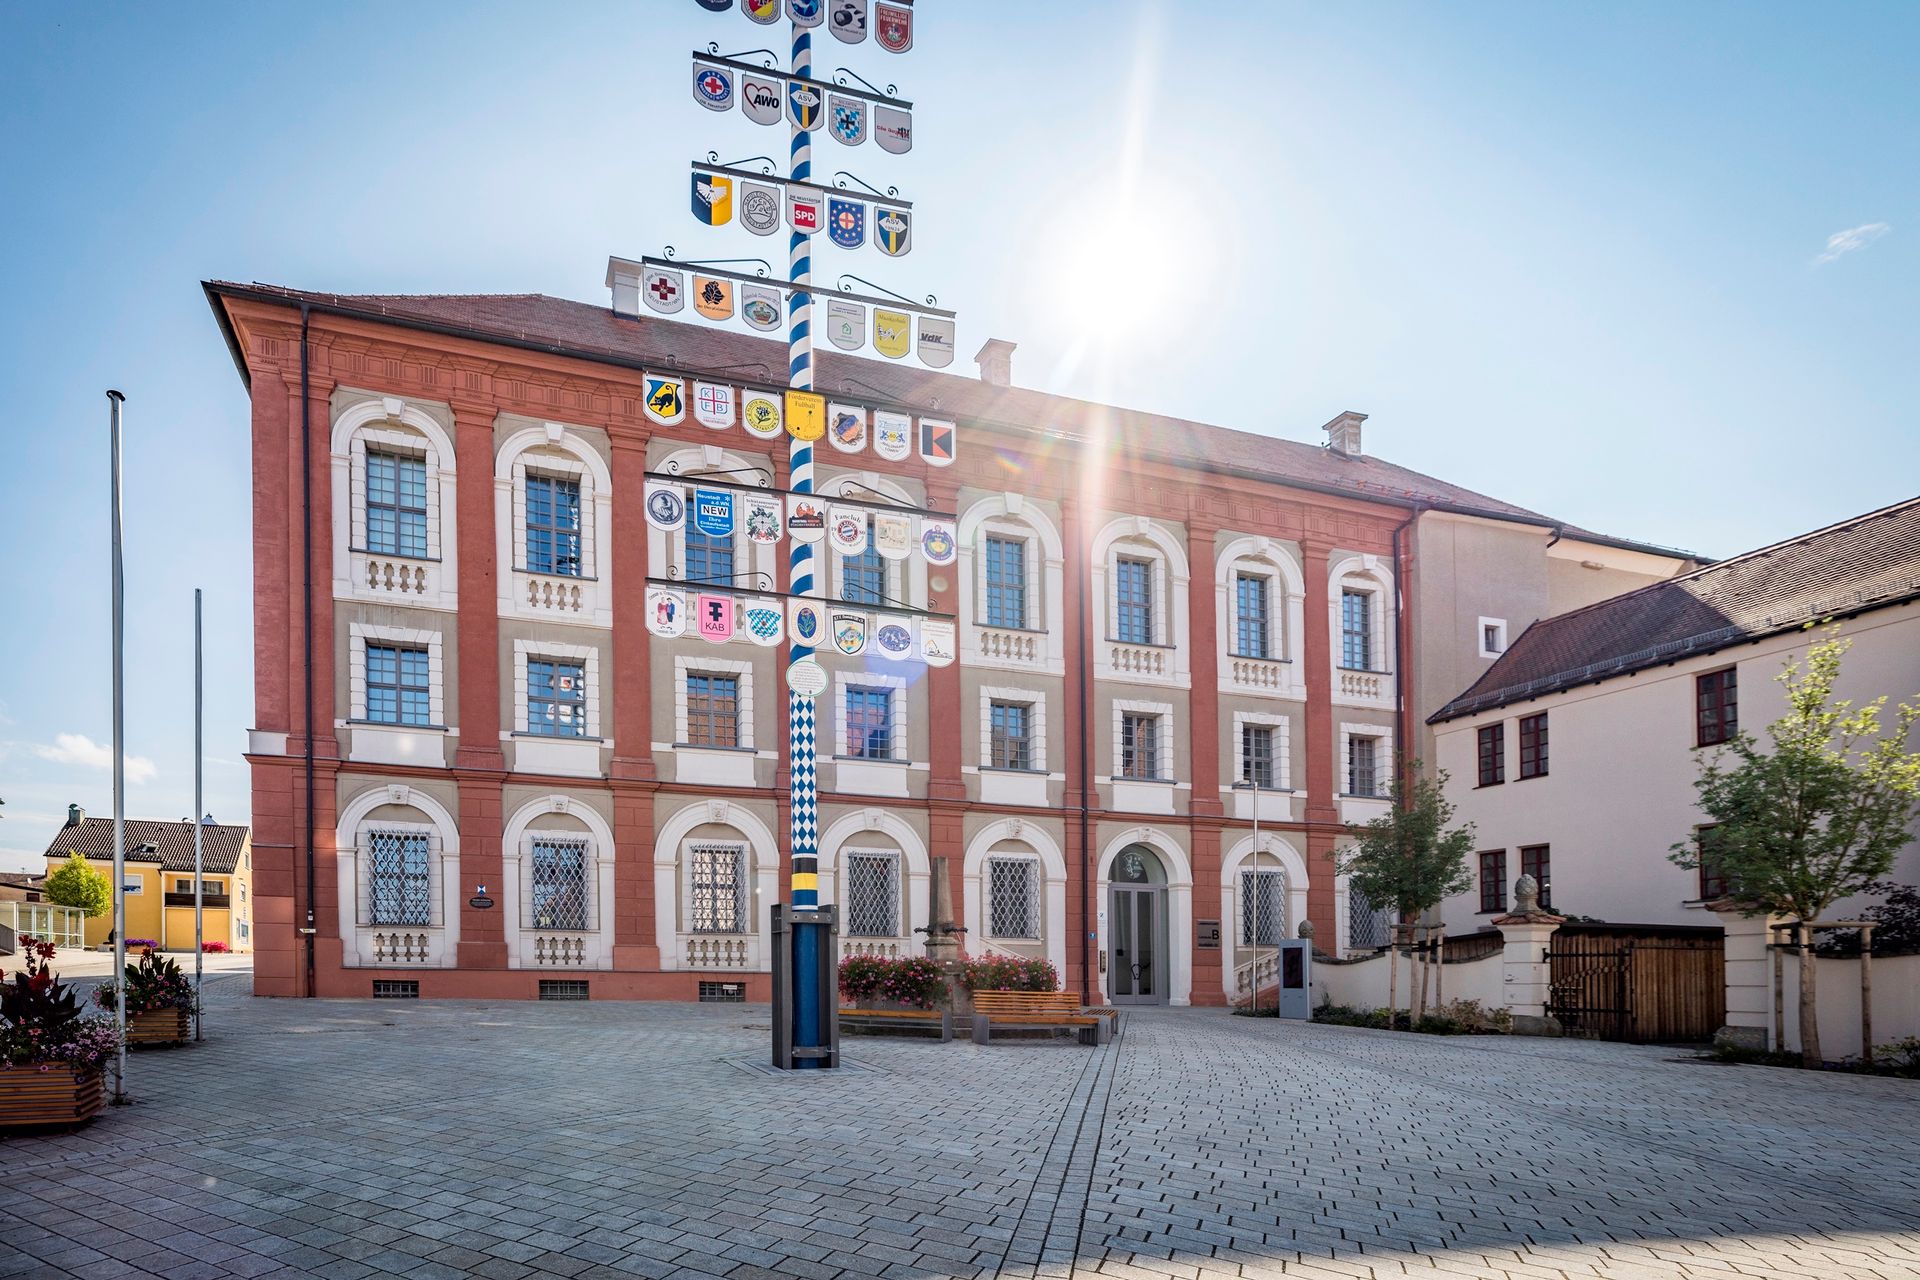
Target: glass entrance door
[1136, 963]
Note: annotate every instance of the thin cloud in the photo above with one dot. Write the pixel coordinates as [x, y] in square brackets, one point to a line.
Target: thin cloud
[1841, 243]
[79, 749]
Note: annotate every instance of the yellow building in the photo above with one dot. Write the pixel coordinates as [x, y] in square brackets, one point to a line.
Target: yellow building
[159, 866]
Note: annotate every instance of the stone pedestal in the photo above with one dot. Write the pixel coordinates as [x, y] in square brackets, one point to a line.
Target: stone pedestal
[1527, 974]
[943, 932]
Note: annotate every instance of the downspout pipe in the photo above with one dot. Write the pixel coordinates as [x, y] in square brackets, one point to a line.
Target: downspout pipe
[1085, 661]
[1403, 625]
[306, 626]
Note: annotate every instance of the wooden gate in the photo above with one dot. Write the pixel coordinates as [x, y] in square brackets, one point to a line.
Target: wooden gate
[1648, 984]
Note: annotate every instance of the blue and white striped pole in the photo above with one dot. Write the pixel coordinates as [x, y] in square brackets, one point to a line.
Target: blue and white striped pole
[804, 825]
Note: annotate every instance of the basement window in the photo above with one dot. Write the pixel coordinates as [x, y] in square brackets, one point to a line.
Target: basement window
[723, 993]
[396, 989]
[563, 989]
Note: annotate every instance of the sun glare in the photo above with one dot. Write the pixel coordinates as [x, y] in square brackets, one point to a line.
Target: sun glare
[1107, 277]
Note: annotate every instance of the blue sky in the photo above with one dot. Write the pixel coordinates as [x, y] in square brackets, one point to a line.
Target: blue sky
[1575, 256]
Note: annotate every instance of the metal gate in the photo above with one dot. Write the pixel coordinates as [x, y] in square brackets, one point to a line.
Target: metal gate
[1648, 984]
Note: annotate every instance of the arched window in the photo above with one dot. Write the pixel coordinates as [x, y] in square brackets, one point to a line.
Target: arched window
[1140, 572]
[721, 560]
[1012, 592]
[393, 503]
[1260, 592]
[397, 852]
[870, 578]
[716, 869]
[557, 886]
[1362, 625]
[553, 524]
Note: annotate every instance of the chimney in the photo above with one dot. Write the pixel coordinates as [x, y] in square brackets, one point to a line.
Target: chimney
[623, 277]
[1343, 433]
[75, 815]
[995, 359]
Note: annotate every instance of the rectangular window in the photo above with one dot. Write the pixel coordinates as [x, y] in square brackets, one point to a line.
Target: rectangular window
[1717, 707]
[1013, 897]
[1139, 745]
[1533, 746]
[1262, 917]
[873, 895]
[1006, 582]
[709, 559]
[398, 689]
[1010, 735]
[869, 723]
[559, 898]
[399, 878]
[1493, 637]
[1133, 597]
[1535, 862]
[1363, 766]
[396, 504]
[1493, 754]
[556, 698]
[1356, 630]
[863, 578]
[1713, 881]
[553, 525]
[1252, 634]
[1256, 755]
[713, 711]
[717, 888]
[1493, 881]
[134, 888]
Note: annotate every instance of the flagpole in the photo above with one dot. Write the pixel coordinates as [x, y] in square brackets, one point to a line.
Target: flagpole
[119, 768]
[199, 815]
[804, 801]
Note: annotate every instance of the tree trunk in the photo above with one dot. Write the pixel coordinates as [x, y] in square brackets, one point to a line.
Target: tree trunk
[1393, 976]
[1809, 1023]
[1425, 963]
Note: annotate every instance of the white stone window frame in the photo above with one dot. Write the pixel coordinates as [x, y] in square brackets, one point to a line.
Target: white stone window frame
[1355, 808]
[844, 874]
[1163, 742]
[554, 449]
[1142, 538]
[1282, 726]
[1275, 851]
[861, 831]
[902, 745]
[1035, 879]
[1030, 840]
[1370, 574]
[667, 552]
[685, 665]
[404, 427]
[1012, 515]
[1286, 610]
[1499, 626]
[549, 651]
[673, 879]
[1036, 702]
[522, 828]
[443, 847]
[360, 634]
[906, 579]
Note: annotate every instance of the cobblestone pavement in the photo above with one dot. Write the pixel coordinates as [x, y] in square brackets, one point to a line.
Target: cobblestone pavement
[594, 1141]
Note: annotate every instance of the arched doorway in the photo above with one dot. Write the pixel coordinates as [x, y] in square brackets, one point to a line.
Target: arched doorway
[1138, 957]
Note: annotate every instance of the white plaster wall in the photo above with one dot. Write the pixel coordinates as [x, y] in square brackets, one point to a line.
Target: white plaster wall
[1896, 1002]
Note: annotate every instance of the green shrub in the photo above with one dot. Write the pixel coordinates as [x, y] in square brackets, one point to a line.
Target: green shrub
[913, 980]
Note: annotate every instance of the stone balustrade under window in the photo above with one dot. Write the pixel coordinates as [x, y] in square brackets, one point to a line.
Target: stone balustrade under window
[558, 950]
[1364, 686]
[719, 951]
[1260, 675]
[396, 579]
[1012, 647]
[1151, 662]
[400, 947]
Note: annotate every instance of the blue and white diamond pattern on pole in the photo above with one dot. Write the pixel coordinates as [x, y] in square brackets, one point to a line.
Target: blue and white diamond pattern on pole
[806, 813]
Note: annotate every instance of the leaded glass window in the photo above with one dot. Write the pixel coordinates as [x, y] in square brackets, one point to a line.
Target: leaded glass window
[1006, 582]
[1133, 600]
[1009, 735]
[1356, 630]
[1262, 908]
[559, 874]
[396, 504]
[873, 895]
[398, 688]
[1252, 634]
[556, 698]
[717, 888]
[399, 878]
[1013, 897]
[553, 525]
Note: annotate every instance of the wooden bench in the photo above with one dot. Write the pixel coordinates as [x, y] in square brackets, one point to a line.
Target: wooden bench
[902, 1019]
[1036, 1011]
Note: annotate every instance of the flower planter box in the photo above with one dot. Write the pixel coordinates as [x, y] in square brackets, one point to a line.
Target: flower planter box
[157, 1026]
[60, 1094]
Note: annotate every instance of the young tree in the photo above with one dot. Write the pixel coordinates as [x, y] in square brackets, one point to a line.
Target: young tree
[1407, 857]
[1816, 819]
[75, 884]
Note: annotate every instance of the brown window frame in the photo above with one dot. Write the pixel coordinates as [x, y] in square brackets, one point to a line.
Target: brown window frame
[1536, 860]
[1533, 746]
[1492, 753]
[1495, 902]
[1713, 881]
[1716, 707]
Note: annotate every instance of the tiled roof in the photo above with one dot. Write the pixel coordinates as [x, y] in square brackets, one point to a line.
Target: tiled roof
[22, 879]
[1864, 563]
[561, 326]
[220, 847]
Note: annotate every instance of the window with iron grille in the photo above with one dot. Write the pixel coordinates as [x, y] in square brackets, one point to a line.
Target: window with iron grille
[1256, 755]
[398, 685]
[713, 710]
[1133, 597]
[556, 698]
[717, 888]
[399, 878]
[1363, 766]
[873, 895]
[1262, 908]
[1717, 708]
[723, 993]
[1536, 862]
[869, 723]
[1139, 745]
[1493, 880]
[863, 578]
[559, 875]
[553, 525]
[1356, 630]
[1367, 925]
[396, 988]
[396, 504]
[1533, 746]
[564, 989]
[1493, 754]
[1252, 636]
[1006, 582]
[1713, 880]
[1013, 897]
[709, 558]
[1009, 735]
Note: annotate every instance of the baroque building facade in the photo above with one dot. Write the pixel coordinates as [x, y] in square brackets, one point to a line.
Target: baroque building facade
[476, 772]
